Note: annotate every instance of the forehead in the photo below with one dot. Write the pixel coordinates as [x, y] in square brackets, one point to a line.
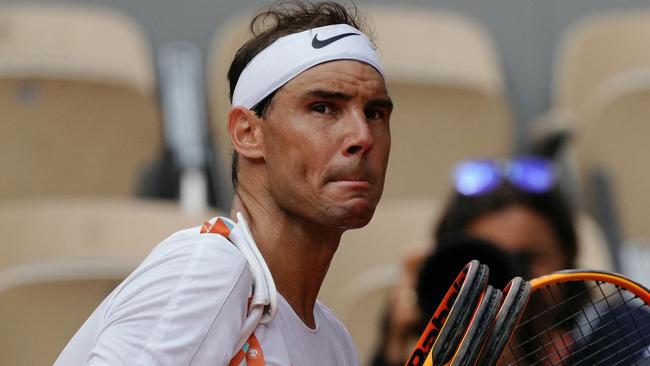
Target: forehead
[352, 76]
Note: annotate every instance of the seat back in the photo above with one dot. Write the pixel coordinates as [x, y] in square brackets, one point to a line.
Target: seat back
[43, 304]
[78, 111]
[596, 49]
[612, 138]
[57, 228]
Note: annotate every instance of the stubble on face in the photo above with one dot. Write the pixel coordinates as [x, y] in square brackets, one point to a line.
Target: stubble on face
[327, 142]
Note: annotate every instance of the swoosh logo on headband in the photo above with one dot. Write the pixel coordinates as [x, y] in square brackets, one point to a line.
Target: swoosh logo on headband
[317, 43]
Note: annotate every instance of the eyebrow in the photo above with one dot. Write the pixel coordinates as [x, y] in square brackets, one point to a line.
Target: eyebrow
[325, 94]
[381, 103]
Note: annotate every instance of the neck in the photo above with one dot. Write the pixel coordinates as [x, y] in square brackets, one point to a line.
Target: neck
[297, 252]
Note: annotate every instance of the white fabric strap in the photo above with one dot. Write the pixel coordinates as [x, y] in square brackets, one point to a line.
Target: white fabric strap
[290, 55]
[264, 301]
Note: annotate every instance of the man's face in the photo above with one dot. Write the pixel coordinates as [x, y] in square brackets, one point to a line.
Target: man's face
[326, 144]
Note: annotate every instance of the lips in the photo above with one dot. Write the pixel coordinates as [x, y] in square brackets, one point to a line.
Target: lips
[357, 172]
[352, 178]
[359, 177]
[349, 175]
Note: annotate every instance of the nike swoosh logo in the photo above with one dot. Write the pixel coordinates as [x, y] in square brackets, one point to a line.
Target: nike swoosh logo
[317, 43]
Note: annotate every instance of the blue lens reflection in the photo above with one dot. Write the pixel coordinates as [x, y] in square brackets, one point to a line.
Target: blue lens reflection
[532, 174]
[476, 177]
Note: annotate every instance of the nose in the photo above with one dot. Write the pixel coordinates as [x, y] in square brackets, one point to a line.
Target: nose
[359, 138]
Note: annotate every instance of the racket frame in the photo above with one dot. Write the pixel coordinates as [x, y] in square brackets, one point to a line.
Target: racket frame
[516, 296]
[456, 307]
[592, 275]
[482, 321]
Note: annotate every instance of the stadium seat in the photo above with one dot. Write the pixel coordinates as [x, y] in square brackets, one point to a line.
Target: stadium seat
[597, 48]
[600, 57]
[368, 262]
[445, 81]
[612, 139]
[78, 228]
[42, 305]
[78, 110]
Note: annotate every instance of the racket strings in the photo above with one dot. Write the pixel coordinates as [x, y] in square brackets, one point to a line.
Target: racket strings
[604, 345]
[534, 321]
[625, 326]
[543, 335]
[595, 305]
[580, 335]
[568, 350]
[630, 350]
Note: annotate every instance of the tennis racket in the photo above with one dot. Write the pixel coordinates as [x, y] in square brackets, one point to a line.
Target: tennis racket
[444, 330]
[516, 295]
[580, 317]
[470, 346]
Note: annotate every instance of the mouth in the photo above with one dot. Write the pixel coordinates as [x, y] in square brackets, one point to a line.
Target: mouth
[352, 181]
[352, 184]
[352, 177]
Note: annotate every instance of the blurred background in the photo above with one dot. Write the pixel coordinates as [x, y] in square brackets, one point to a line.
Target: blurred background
[112, 137]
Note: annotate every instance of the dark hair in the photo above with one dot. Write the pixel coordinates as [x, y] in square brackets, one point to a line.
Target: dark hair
[463, 210]
[450, 256]
[281, 19]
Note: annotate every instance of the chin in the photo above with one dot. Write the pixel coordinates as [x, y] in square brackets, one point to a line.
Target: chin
[354, 223]
[356, 216]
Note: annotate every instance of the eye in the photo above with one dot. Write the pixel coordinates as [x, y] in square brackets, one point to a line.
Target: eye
[374, 114]
[324, 108]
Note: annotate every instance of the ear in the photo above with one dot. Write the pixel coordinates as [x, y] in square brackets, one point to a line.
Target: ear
[245, 132]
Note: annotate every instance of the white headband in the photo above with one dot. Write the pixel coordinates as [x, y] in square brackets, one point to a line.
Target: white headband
[290, 55]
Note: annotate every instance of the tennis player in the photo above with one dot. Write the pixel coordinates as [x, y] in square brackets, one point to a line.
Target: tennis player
[310, 129]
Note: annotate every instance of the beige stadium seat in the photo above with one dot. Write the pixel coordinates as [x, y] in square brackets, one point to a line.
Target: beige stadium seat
[368, 262]
[597, 48]
[594, 50]
[612, 136]
[600, 69]
[56, 228]
[444, 77]
[78, 110]
[42, 305]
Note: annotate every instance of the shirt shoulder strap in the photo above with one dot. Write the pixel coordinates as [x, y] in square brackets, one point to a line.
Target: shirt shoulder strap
[251, 352]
